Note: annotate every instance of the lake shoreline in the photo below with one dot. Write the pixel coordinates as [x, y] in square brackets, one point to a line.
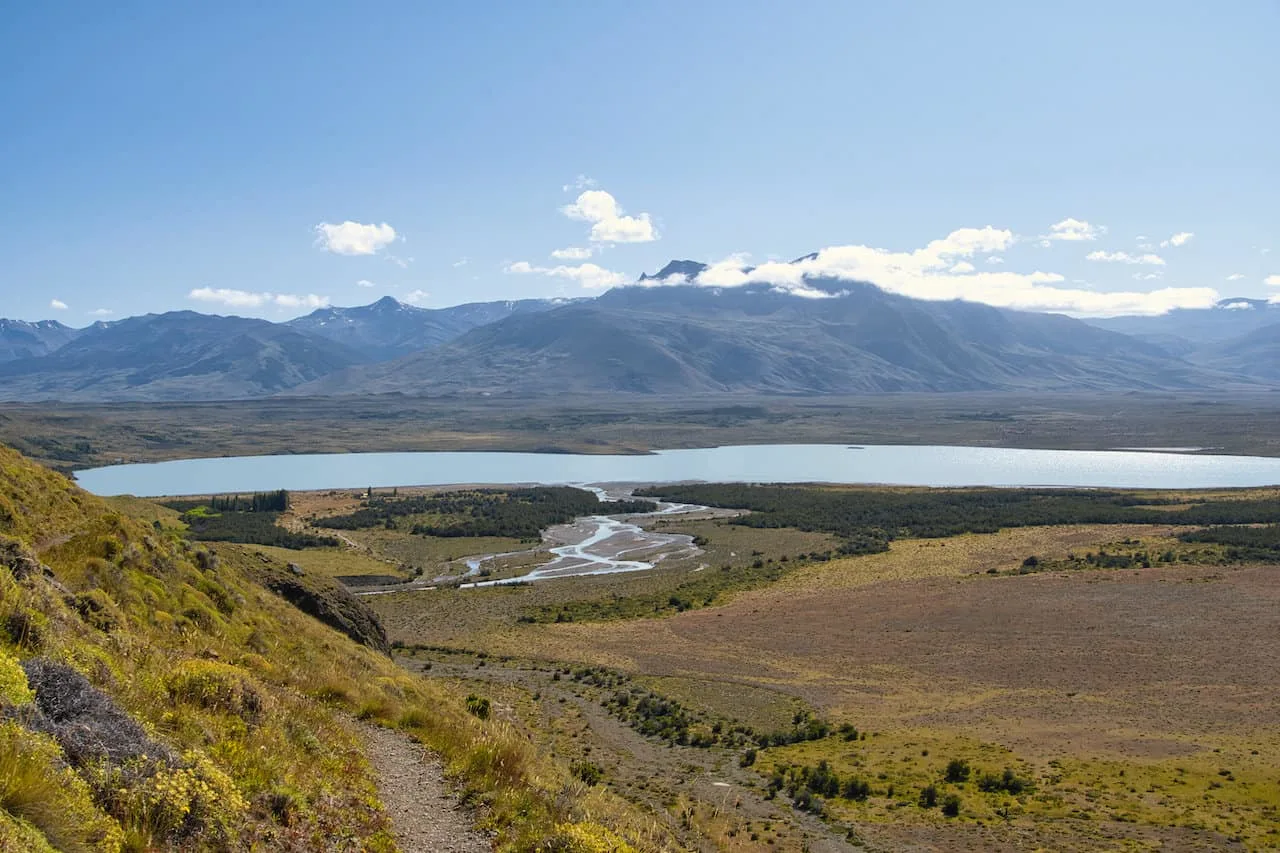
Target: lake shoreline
[945, 466]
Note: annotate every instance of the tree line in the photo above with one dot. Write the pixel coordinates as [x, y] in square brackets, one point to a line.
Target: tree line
[867, 520]
[247, 519]
[516, 513]
[274, 501]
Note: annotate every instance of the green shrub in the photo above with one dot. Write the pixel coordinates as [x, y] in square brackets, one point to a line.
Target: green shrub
[14, 690]
[1007, 782]
[217, 686]
[97, 609]
[36, 786]
[588, 771]
[957, 771]
[478, 706]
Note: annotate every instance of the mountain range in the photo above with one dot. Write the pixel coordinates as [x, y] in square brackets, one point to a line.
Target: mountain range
[664, 337]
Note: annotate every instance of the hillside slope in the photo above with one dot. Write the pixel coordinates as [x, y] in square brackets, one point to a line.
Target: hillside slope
[1256, 354]
[1229, 318]
[175, 356]
[155, 696]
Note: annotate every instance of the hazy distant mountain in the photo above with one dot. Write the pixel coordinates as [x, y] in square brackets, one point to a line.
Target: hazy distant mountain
[1230, 318]
[176, 356]
[1256, 354]
[389, 329]
[19, 339]
[688, 339]
[663, 337]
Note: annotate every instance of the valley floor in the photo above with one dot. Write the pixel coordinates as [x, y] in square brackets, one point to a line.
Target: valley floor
[72, 436]
[1138, 704]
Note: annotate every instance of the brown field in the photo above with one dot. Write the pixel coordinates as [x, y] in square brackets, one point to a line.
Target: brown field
[1144, 704]
[1095, 659]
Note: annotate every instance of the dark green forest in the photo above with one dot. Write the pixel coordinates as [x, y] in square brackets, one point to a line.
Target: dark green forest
[869, 520]
[247, 519]
[516, 513]
[1245, 544]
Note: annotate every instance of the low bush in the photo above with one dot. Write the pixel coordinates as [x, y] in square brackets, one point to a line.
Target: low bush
[478, 706]
[14, 690]
[588, 771]
[1007, 782]
[217, 686]
[37, 787]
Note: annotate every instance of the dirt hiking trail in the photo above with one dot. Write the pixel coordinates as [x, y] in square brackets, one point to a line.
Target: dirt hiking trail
[425, 816]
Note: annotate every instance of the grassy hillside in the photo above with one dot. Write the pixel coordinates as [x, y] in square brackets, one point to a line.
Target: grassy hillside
[156, 695]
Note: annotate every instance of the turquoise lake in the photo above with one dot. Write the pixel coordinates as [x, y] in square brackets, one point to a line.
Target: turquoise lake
[760, 463]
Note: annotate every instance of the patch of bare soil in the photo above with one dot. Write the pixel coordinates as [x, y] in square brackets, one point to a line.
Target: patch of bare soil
[425, 816]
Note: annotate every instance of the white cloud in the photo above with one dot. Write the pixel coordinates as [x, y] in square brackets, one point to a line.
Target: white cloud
[1125, 258]
[291, 300]
[403, 263]
[572, 253]
[1238, 306]
[1273, 280]
[995, 259]
[249, 299]
[963, 267]
[101, 312]
[1235, 276]
[1072, 230]
[609, 223]
[364, 282]
[232, 298]
[416, 297]
[354, 238]
[1179, 239]
[57, 305]
[582, 182]
[590, 276]
[1147, 276]
[461, 262]
[926, 273]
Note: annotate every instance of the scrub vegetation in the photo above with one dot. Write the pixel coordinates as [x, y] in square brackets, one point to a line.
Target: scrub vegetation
[158, 694]
[974, 683]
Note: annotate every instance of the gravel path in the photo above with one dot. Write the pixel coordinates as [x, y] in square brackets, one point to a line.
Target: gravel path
[425, 817]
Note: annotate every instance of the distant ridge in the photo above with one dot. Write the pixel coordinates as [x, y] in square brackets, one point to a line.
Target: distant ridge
[389, 328]
[20, 339]
[688, 269]
[683, 339]
[175, 356]
[666, 336]
[1229, 318]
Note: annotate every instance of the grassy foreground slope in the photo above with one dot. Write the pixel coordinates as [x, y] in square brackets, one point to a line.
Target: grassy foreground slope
[158, 695]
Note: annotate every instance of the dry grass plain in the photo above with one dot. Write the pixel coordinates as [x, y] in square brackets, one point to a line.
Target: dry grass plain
[1143, 704]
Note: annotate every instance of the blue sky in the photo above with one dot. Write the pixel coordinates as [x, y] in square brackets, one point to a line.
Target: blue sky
[156, 157]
